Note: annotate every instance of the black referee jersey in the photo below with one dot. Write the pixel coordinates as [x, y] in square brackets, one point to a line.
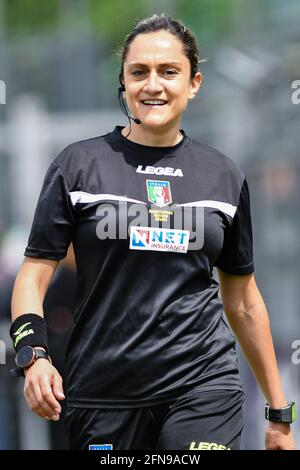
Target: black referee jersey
[148, 225]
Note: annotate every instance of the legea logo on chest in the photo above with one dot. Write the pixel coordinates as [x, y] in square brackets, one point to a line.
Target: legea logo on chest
[159, 170]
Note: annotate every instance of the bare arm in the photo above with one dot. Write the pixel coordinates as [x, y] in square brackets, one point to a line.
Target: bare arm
[248, 318]
[31, 286]
[43, 384]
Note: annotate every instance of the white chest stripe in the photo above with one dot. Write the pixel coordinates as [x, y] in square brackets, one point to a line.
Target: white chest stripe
[225, 207]
[83, 197]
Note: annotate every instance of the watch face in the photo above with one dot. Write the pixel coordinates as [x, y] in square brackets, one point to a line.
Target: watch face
[25, 356]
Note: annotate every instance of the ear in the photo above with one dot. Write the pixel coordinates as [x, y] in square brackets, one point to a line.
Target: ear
[195, 84]
[121, 81]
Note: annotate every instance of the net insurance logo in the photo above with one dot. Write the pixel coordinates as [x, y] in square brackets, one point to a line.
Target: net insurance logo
[159, 239]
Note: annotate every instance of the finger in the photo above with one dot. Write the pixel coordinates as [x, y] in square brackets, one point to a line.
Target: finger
[44, 405]
[33, 404]
[37, 403]
[48, 396]
[58, 387]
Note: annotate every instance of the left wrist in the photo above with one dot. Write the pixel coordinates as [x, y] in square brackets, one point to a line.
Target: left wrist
[276, 399]
[276, 404]
[283, 415]
[282, 428]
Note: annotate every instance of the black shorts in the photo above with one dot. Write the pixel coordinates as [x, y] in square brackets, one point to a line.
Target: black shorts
[200, 421]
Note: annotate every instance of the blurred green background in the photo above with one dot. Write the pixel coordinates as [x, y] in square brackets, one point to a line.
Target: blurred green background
[59, 64]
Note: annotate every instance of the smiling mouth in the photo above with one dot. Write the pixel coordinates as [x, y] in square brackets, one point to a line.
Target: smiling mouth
[153, 105]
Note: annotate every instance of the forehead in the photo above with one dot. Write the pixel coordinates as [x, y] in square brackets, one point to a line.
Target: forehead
[159, 46]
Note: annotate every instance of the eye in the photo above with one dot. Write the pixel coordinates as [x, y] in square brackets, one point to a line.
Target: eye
[169, 72]
[136, 72]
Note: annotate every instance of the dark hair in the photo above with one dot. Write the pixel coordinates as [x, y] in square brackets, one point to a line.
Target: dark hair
[166, 23]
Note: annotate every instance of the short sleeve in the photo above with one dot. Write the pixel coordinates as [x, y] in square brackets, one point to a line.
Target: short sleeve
[53, 223]
[236, 256]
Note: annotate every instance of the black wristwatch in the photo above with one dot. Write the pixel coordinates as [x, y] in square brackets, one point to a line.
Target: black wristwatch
[287, 414]
[26, 357]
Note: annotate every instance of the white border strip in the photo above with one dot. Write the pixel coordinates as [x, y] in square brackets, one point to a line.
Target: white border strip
[82, 197]
[222, 206]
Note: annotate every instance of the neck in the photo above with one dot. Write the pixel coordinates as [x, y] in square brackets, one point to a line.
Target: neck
[154, 138]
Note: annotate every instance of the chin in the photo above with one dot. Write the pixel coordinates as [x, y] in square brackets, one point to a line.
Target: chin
[155, 123]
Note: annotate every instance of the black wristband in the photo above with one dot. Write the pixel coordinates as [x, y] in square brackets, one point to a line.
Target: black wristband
[29, 329]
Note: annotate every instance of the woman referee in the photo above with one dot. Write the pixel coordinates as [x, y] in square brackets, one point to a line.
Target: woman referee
[151, 361]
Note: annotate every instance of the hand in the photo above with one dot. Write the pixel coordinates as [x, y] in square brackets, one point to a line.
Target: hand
[43, 388]
[279, 437]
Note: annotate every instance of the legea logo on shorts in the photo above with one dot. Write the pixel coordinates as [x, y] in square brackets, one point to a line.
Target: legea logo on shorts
[100, 447]
[207, 446]
[159, 239]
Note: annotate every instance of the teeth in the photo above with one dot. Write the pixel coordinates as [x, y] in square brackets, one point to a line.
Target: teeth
[153, 102]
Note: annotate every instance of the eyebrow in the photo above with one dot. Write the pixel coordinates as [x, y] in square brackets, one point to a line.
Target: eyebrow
[130, 64]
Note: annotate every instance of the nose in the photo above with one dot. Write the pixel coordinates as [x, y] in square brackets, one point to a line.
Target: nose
[153, 84]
